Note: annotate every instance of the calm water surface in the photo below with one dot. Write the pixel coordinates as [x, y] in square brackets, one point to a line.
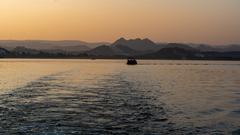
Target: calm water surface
[109, 97]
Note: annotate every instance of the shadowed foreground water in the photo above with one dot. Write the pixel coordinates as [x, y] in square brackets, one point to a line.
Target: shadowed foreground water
[109, 97]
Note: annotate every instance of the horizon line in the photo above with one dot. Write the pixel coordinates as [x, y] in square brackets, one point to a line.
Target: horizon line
[110, 42]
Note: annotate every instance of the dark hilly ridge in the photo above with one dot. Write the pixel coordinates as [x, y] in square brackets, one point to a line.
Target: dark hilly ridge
[216, 48]
[103, 50]
[146, 49]
[139, 45]
[177, 53]
[173, 53]
[64, 45]
[121, 48]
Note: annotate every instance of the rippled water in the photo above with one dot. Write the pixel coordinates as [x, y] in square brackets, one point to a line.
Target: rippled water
[109, 97]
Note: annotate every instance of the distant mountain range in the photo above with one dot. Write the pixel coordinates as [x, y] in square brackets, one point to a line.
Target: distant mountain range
[121, 48]
[64, 45]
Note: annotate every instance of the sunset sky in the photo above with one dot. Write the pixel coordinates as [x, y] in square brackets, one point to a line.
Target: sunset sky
[195, 21]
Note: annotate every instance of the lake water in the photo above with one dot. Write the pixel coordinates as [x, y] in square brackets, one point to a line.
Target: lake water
[109, 97]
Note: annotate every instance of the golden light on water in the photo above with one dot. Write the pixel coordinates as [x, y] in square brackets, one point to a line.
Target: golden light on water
[215, 21]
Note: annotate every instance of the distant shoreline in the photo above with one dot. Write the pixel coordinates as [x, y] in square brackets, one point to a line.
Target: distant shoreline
[122, 48]
[85, 58]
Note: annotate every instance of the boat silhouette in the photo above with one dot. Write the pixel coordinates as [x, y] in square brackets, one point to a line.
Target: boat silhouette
[131, 61]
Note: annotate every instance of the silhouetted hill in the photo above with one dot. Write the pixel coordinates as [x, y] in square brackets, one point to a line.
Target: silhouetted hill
[66, 45]
[216, 48]
[190, 54]
[139, 45]
[206, 48]
[124, 50]
[118, 50]
[174, 53]
[179, 45]
[102, 51]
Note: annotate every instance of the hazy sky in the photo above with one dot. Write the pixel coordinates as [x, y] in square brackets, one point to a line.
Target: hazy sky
[198, 21]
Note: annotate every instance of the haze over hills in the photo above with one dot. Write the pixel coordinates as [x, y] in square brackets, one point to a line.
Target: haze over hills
[67, 45]
[121, 48]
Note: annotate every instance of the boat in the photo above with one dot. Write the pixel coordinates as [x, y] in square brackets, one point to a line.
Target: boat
[131, 61]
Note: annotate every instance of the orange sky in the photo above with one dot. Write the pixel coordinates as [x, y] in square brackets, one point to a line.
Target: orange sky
[197, 21]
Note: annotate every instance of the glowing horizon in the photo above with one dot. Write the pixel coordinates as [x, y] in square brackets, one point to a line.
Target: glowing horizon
[192, 21]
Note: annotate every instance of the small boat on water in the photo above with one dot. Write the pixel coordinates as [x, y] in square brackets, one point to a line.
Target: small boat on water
[131, 61]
